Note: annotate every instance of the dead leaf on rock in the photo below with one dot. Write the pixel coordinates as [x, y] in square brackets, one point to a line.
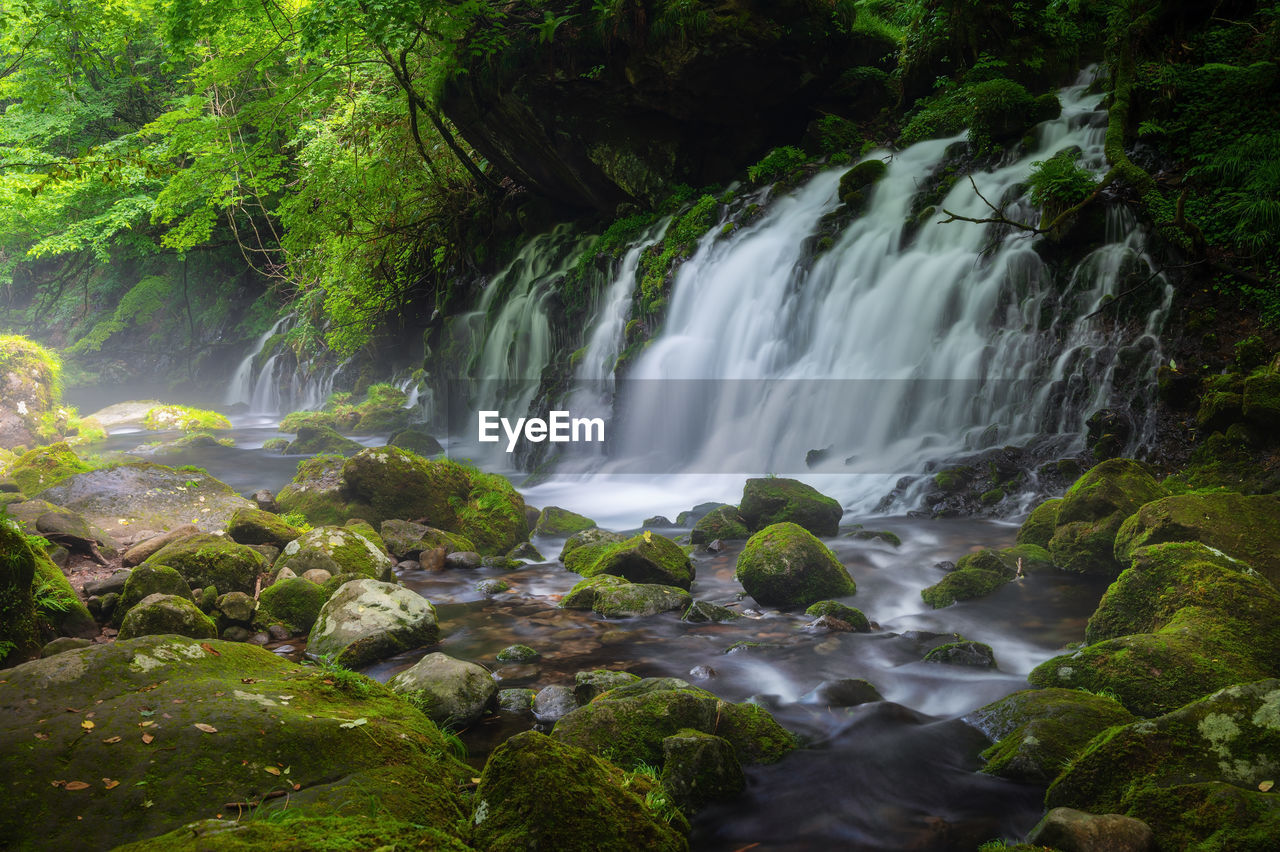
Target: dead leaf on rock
[273, 770]
[210, 649]
[111, 740]
[40, 736]
[87, 725]
[1265, 786]
[75, 785]
[110, 784]
[148, 739]
[208, 729]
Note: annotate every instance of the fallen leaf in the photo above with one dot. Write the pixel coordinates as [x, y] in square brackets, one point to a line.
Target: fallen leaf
[109, 784]
[146, 724]
[111, 740]
[42, 736]
[148, 739]
[210, 649]
[87, 725]
[248, 680]
[75, 785]
[57, 783]
[273, 770]
[208, 729]
[355, 723]
[297, 787]
[1265, 786]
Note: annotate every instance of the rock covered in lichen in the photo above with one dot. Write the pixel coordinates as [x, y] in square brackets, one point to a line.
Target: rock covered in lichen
[338, 550]
[212, 560]
[367, 620]
[1092, 511]
[724, 523]
[159, 614]
[785, 565]
[293, 603]
[254, 526]
[449, 691]
[644, 558]
[147, 580]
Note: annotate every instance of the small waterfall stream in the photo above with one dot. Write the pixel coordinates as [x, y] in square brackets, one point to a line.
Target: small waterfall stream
[278, 386]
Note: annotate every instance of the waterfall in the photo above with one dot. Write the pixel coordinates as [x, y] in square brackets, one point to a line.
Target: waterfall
[241, 389]
[279, 386]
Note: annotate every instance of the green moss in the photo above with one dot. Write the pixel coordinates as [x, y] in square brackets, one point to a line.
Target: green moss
[166, 615]
[582, 549]
[554, 521]
[785, 565]
[724, 523]
[254, 526]
[210, 560]
[146, 580]
[56, 601]
[855, 184]
[1219, 410]
[630, 600]
[294, 603]
[953, 479]
[1038, 527]
[39, 371]
[775, 500]
[699, 768]
[644, 558]
[321, 439]
[962, 585]
[1261, 400]
[305, 830]
[877, 535]
[44, 467]
[1209, 816]
[18, 639]
[851, 616]
[338, 550]
[677, 243]
[963, 653]
[295, 421]
[1092, 511]
[583, 593]
[275, 445]
[184, 418]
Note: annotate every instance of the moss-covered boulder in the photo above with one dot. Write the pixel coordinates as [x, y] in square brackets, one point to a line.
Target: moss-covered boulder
[724, 523]
[293, 603]
[18, 636]
[212, 560]
[699, 768]
[1261, 401]
[161, 614]
[30, 386]
[44, 467]
[981, 573]
[316, 439]
[1230, 739]
[63, 527]
[338, 550]
[538, 793]
[416, 441]
[849, 615]
[588, 685]
[785, 565]
[963, 653]
[254, 526]
[183, 417]
[856, 184]
[1068, 828]
[555, 522]
[773, 501]
[705, 612]
[1219, 410]
[583, 594]
[308, 828]
[450, 692]
[147, 496]
[319, 493]
[644, 558]
[235, 717]
[1038, 528]
[63, 611]
[1038, 731]
[1092, 511]
[407, 539]
[628, 724]
[582, 549]
[147, 580]
[1246, 527]
[631, 600]
[366, 621]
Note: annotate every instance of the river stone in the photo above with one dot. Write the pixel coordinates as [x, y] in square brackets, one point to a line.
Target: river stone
[785, 565]
[265, 500]
[644, 558]
[587, 685]
[966, 653]
[526, 550]
[690, 517]
[338, 550]
[700, 768]
[313, 439]
[254, 526]
[515, 700]
[844, 692]
[555, 522]
[536, 793]
[849, 615]
[63, 644]
[705, 612]
[265, 711]
[366, 621]
[592, 542]
[638, 599]
[1092, 511]
[147, 495]
[142, 551]
[113, 583]
[148, 580]
[583, 593]
[463, 559]
[236, 607]
[449, 691]
[1069, 830]
[159, 614]
[492, 587]
[212, 560]
[553, 703]
[292, 603]
[407, 539]
[775, 500]
[517, 654]
[723, 524]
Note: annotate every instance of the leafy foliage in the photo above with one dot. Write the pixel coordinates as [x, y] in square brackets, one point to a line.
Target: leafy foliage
[1060, 181]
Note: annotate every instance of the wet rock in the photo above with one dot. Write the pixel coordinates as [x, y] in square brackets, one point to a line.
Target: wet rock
[1038, 528]
[556, 522]
[692, 516]
[259, 638]
[517, 654]
[1092, 511]
[293, 604]
[254, 526]
[645, 558]
[147, 580]
[849, 615]
[409, 539]
[463, 559]
[776, 500]
[319, 576]
[582, 548]
[265, 500]
[367, 620]
[885, 536]
[338, 550]
[510, 674]
[160, 614]
[516, 700]
[553, 702]
[492, 587]
[449, 691]
[786, 566]
[632, 600]
[583, 594]
[278, 632]
[844, 692]
[716, 546]
[269, 552]
[703, 612]
[141, 551]
[702, 672]
[236, 633]
[416, 441]
[1070, 830]
[724, 523]
[211, 560]
[587, 685]
[526, 550]
[829, 624]
[63, 644]
[236, 607]
[408, 565]
[966, 653]
[700, 768]
[658, 522]
[314, 439]
[113, 583]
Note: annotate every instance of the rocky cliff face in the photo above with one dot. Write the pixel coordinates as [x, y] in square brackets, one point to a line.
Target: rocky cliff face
[614, 107]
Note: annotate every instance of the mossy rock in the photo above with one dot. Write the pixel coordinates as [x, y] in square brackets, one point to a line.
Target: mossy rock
[1218, 410]
[963, 585]
[416, 441]
[1261, 401]
[69, 616]
[1092, 511]
[1038, 731]
[705, 612]
[592, 805]
[146, 580]
[161, 614]
[631, 600]
[1002, 110]
[294, 603]
[188, 774]
[184, 418]
[583, 593]
[275, 445]
[305, 829]
[953, 480]
[18, 636]
[588, 685]
[1230, 738]
[1038, 528]
[449, 691]
[628, 724]
[212, 560]
[314, 439]
[338, 550]
[699, 768]
[772, 501]
[849, 615]
[45, 467]
[724, 523]
[517, 654]
[366, 621]
[364, 528]
[254, 526]
[407, 539]
[963, 653]
[785, 565]
[644, 558]
[30, 386]
[890, 538]
[554, 521]
[856, 183]
[1245, 527]
[582, 549]
[295, 421]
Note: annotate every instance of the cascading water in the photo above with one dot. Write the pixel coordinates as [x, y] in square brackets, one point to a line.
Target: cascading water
[241, 389]
[274, 385]
[893, 349]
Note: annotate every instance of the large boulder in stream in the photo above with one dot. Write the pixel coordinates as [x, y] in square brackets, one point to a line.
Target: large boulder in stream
[1092, 511]
[784, 565]
[386, 483]
[776, 500]
[366, 621]
[724, 523]
[165, 730]
[254, 526]
[1202, 775]
[644, 558]
[149, 496]
[449, 691]
[554, 521]
[338, 550]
